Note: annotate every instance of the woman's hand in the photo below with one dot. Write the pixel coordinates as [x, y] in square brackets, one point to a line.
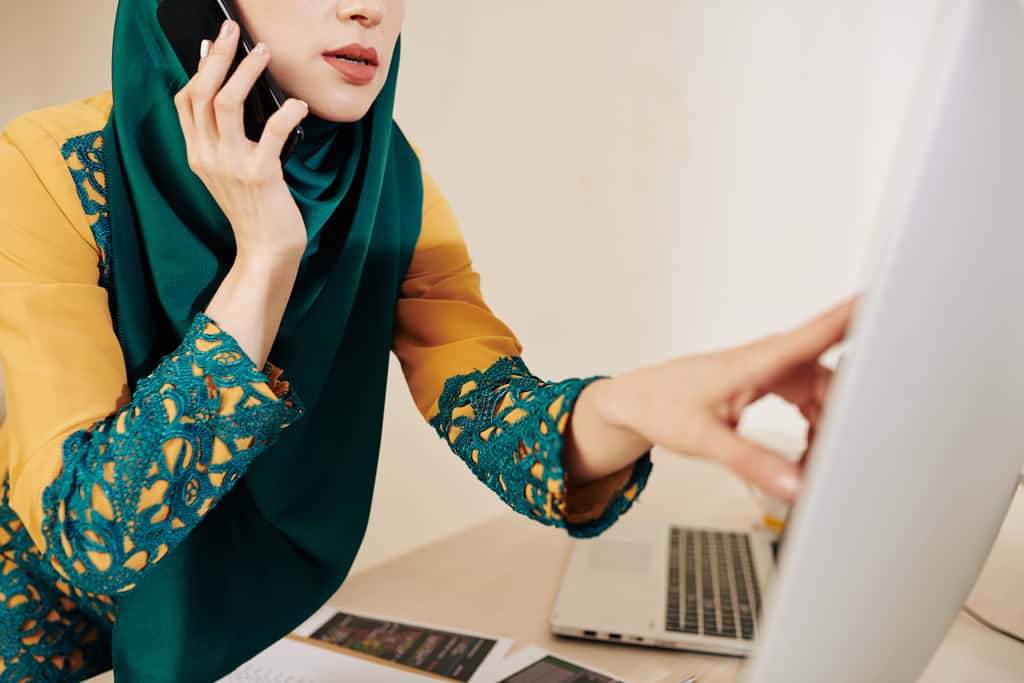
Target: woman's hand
[244, 177]
[693, 405]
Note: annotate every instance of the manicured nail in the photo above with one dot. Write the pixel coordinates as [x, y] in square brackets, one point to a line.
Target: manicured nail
[260, 49]
[790, 484]
[204, 49]
[227, 28]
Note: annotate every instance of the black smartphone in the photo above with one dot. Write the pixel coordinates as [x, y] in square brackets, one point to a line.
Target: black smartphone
[187, 23]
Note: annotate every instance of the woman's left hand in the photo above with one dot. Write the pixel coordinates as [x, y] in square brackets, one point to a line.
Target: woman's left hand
[693, 405]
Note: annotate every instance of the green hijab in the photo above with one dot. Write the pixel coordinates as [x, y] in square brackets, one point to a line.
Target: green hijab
[282, 541]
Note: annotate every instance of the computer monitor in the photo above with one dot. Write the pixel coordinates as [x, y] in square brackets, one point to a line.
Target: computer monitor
[920, 450]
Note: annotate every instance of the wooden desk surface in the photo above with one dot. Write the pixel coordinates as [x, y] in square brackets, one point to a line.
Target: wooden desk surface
[502, 578]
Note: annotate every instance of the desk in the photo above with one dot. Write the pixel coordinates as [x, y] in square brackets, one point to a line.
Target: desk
[502, 577]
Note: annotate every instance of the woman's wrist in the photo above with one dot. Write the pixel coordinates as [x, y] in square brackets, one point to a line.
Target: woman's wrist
[271, 259]
[599, 439]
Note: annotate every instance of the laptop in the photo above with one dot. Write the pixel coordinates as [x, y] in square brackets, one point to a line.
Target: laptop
[917, 457]
[669, 586]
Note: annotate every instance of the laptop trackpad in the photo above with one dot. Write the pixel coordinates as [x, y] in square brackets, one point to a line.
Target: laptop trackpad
[631, 557]
[612, 586]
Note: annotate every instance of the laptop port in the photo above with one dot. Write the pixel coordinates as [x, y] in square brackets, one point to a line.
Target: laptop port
[590, 634]
[615, 636]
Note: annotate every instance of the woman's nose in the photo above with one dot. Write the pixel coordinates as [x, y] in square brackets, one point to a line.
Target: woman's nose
[369, 13]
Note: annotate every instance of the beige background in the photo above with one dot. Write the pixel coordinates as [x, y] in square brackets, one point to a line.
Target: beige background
[636, 180]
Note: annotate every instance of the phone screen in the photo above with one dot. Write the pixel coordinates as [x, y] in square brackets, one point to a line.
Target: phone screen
[186, 23]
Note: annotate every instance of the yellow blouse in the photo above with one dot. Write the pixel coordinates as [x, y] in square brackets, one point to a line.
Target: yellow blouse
[63, 376]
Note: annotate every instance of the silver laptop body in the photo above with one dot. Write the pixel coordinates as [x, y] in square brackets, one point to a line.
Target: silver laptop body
[664, 585]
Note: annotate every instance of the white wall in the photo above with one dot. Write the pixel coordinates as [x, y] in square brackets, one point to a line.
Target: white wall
[640, 180]
[804, 103]
[636, 180]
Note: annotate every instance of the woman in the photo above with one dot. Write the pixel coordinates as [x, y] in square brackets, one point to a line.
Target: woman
[171, 503]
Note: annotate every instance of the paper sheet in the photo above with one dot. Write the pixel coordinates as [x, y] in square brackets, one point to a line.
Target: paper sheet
[338, 645]
[291, 661]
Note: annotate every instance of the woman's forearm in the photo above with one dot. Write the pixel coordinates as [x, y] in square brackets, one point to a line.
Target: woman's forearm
[250, 303]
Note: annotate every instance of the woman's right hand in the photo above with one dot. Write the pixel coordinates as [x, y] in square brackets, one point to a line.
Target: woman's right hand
[693, 405]
[244, 177]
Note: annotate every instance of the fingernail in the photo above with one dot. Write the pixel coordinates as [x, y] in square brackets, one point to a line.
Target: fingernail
[204, 49]
[226, 28]
[790, 484]
[261, 48]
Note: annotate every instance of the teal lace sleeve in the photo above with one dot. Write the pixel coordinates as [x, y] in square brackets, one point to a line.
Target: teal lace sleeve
[134, 485]
[507, 426]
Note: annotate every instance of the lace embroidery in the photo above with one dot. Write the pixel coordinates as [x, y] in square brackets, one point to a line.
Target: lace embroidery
[507, 426]
[134, 485]
[44, 634]
[84, 155]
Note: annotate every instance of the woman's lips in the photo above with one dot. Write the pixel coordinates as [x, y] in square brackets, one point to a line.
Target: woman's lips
[356, 73]
[357, 63]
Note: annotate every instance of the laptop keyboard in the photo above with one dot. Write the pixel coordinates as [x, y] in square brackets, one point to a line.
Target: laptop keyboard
[712, 585]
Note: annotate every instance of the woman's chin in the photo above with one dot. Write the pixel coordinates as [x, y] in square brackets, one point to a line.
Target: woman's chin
[340, 112]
